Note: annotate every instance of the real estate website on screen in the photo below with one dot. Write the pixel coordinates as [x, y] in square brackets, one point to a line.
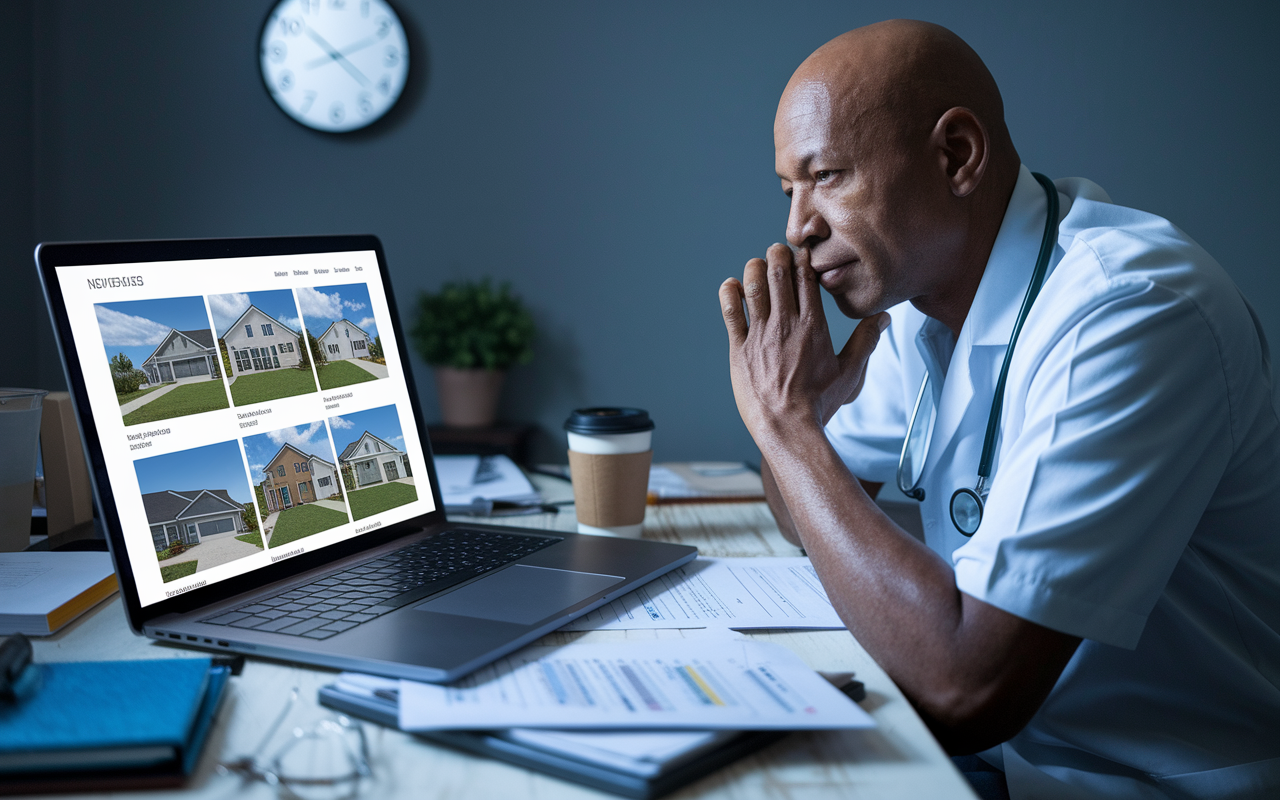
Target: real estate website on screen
[249, 409]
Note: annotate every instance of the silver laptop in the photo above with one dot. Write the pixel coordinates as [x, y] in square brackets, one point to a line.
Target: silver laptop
[263, 473]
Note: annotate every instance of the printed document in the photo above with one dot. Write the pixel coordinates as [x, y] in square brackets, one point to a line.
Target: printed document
[671, 685]
[466, 478]
[736, 593]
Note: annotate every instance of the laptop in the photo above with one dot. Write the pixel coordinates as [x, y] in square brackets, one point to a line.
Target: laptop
[261, 466]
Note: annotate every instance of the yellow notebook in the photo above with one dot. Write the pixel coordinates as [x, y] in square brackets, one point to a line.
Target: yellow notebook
[41, 592]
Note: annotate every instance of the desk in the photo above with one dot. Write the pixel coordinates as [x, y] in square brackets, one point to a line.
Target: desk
[898, 760]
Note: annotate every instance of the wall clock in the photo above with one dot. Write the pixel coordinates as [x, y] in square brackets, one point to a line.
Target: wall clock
[334, 65]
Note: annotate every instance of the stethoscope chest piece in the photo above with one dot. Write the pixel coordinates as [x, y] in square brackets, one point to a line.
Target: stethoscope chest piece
[967, 504]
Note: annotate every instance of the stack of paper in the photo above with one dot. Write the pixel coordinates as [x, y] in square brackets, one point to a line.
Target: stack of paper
[661, 685]
[704, 482]
[634, 719]
[42, 591]
[466, 479]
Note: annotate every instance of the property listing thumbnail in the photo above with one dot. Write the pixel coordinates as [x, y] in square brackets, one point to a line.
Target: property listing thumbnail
[162, 358]
[371, 459]
[261, 344]
[296, 482]
[199, 508]
[346, 351]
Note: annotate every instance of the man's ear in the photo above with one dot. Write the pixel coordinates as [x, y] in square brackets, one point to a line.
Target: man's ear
[960, 140]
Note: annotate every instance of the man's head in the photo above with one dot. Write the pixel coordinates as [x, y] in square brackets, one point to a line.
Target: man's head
[891, 143]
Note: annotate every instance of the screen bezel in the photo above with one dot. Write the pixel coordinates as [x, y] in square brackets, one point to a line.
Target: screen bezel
[50, 256]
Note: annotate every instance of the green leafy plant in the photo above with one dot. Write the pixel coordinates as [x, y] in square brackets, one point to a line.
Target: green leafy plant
[471, 325]
[126, 378]
[317, 352]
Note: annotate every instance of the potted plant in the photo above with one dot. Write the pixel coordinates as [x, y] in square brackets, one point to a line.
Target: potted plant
[471, 333]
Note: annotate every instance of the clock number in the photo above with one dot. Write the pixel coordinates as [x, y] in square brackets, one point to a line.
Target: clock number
[286, 81]
[307, 99]
[364, 8]
[337, 4]
[384, 27]
[391, 58]
[290, 26]
[309, 6]
[365, 103]
[277, 52]
[337, 113]
[384, 85]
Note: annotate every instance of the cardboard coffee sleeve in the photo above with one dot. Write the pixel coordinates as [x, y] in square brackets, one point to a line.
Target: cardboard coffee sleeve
[610, 490]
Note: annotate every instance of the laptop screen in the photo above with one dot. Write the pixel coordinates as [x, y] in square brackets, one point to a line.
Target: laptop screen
[248, 410]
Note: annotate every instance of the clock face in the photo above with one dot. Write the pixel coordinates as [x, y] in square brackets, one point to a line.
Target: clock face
[334, 65]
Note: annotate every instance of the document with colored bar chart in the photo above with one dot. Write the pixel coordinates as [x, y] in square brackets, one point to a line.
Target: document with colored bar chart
[657, 685]
[735, 593]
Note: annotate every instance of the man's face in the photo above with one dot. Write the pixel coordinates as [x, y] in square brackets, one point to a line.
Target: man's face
[857, 210]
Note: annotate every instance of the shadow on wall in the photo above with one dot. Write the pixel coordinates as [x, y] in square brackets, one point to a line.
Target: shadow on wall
[549, 385]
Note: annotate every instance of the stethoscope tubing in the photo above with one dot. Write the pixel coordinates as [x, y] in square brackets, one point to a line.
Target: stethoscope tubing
[978, 494]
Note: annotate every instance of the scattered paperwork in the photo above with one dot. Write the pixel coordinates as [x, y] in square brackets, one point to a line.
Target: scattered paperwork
[466, 479]
[679, 685]
[733, 593]
[641, 753]
[704, 482]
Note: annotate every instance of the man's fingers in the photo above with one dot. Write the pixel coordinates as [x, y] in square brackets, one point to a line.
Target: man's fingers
[808, 295]
[755, 288]
[781, 282]
[731, 307]
[862, 342]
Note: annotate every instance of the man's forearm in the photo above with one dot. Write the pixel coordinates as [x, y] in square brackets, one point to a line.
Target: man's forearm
[950, 653]
[779, 506]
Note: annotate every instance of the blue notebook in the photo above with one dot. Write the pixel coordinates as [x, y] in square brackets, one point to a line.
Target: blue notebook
[142, 722]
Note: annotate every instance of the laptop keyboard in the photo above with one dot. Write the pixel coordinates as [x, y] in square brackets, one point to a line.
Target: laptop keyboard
[340, 602]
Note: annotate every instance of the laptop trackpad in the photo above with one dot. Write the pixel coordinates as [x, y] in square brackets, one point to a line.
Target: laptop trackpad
[522, 594]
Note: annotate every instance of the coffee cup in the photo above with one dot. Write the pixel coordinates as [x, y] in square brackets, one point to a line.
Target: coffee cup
[610, 450]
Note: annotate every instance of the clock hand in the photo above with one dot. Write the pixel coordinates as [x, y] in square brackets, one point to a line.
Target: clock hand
[336, 56]
[322, 60]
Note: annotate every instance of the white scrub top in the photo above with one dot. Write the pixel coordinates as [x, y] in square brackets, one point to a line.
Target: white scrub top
[1135, 499]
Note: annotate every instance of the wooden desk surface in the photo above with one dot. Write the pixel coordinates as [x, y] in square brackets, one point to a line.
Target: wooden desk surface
[900, 759]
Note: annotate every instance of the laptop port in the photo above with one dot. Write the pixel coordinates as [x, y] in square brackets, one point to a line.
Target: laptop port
[223, 644]
[175, 636]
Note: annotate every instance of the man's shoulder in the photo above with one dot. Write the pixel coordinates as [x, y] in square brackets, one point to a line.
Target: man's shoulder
[1131, 244]
[1138, 282]
[1113, 251]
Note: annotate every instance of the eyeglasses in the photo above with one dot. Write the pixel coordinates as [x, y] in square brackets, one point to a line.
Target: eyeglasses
[327, 761]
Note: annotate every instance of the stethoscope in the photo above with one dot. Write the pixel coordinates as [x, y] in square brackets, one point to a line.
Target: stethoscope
[967, 504]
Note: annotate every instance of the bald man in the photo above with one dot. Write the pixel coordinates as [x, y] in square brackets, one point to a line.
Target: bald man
[1110, 629]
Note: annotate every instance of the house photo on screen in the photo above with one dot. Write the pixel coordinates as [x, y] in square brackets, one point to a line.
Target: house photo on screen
[296, 482]
[372, 462]
[162, 358]
[199, 508]
[343, 334]
[261, 345]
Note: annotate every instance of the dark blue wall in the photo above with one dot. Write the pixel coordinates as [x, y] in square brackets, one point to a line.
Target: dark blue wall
[614, 161]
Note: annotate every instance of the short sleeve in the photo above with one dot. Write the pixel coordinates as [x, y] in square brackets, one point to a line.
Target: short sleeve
[867, 433]
[1117, 443]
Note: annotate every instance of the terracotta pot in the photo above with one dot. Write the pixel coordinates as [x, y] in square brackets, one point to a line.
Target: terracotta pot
[468, 397]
